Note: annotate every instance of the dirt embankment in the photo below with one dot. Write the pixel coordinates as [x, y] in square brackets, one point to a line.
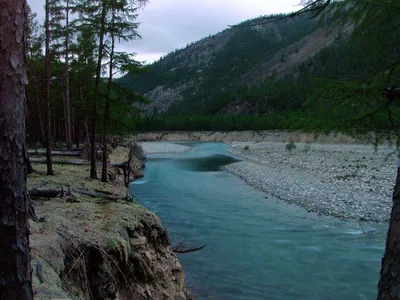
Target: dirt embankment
[248, 136]
[97, 248]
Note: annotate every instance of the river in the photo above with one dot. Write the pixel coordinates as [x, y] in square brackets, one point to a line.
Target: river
[256, 246]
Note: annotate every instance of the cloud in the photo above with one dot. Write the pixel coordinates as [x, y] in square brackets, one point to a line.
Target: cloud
[170, 24]
[167, 25]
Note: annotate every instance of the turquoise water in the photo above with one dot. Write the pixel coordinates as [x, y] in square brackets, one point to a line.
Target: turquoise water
[257, 247]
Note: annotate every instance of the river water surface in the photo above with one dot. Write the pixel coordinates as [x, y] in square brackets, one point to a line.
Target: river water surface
[257, 247]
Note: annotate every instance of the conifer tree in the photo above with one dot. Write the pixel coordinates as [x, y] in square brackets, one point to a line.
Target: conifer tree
[15, 269]
[49, 139]
[123, 27]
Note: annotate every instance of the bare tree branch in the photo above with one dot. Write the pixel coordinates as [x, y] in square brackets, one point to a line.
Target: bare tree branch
[183, 247]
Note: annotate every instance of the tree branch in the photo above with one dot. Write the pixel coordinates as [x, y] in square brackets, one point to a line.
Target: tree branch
[183, 247]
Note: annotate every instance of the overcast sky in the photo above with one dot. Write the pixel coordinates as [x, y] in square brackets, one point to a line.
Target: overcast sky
[170, 24]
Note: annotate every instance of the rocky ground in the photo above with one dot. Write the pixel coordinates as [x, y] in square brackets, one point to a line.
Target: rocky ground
[247, 136]
[160, 147]
[331, 174]
[346, 181]
[94, 242]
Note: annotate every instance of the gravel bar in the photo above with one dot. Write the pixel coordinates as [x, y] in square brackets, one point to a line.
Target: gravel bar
[344, 181]
[162, 147]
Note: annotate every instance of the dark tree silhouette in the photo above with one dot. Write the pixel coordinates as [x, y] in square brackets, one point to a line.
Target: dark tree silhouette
[49, 139]
[15, 270]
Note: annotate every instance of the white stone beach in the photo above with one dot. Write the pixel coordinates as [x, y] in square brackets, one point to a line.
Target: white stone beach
[346, 181]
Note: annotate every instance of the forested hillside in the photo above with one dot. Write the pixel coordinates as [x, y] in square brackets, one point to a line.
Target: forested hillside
[265, 76]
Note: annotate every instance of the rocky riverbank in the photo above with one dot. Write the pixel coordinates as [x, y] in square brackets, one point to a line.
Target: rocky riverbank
[332, 174]
[247, 136]
[94, 242]
[345, 181]
[160, 148]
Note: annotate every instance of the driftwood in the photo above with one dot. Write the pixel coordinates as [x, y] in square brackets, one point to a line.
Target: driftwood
[183, 247]
[62, 193]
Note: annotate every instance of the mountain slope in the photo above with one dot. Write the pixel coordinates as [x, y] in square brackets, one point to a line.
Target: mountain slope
[260, 69]
[238, 55]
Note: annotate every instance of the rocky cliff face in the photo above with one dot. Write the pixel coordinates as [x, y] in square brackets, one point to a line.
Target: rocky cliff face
[94, 248]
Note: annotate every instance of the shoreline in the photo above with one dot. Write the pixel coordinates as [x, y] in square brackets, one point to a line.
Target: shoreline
[250, 136]
[93, 239]
[150, 148]
[349, 182]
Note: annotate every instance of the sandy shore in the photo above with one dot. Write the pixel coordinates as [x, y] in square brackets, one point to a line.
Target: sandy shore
[345, 181]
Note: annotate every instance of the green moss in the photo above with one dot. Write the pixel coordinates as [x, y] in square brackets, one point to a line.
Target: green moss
[111, 245]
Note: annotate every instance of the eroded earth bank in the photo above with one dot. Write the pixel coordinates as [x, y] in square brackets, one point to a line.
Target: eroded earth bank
[94, 242]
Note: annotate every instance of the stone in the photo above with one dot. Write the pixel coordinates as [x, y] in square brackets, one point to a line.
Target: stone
[138, 242]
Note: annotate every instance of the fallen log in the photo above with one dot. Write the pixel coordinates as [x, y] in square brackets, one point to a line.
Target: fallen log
[66, 149]
[75, 163]
[56, 153]
[97, 195]
[45, 193]
[61, 162]
[183, 247]
[61, 193]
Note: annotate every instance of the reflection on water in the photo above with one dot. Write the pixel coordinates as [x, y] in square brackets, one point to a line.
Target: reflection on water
[257, 248]
[208, 163]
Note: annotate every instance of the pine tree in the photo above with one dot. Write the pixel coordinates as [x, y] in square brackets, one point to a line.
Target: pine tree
[35, 71]
[15, 269]
[49, 139]
[122, 26]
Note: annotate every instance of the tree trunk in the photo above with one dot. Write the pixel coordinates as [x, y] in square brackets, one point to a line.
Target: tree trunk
[68, 130]
[104, 177]
[42, 138]
[389, 283]
[64, 97]
[77, 135]
[29, 168]
[78, 129]
[15, 269]
[93, 172]
[87, 131]
[54, 134]
[47, 90]
[60, 131]
[73, 126]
